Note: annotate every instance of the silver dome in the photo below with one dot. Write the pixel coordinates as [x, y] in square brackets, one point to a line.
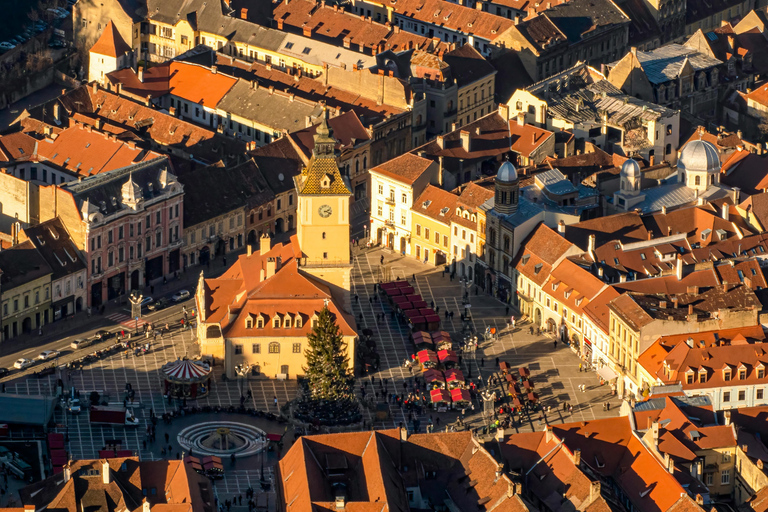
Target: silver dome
[699, 156]
[630, 169]
[507, 172]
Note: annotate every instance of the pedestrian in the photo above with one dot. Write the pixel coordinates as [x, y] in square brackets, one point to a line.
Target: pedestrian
[506, 311]
[275, 400]
[482, 361]
[414, 277]
[381, 260]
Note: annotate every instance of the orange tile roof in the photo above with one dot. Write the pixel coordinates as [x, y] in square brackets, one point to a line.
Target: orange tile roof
[405, 168]
[453, 17]
[197, 84]
[539, 252]
[436, 203]
[16, 146]
[573, 286]
[86, 152]
[111, 43]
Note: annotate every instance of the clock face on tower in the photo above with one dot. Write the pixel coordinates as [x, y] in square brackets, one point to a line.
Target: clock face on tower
[325, 211]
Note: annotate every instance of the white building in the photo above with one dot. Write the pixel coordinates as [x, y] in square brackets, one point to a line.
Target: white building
[109, 54]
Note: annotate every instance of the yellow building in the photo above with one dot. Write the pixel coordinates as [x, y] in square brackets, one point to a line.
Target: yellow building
[26, 290]
[431, 217]
[258, 314]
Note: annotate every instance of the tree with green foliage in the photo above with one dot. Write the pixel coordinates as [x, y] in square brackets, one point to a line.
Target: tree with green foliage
[327, 366]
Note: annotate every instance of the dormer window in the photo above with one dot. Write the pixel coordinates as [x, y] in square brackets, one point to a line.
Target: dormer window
[259, 323]
[249, 323]
[727, 374]
[297, 323]
[276, 322]
[702, 376]
[325, 182]
[742, 373]
[287, 322]
[760, 368]
[314, 321]
[689, 376]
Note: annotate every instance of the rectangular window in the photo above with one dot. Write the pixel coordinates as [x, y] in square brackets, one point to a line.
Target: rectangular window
[725, 477]
[238, 349]
[297, 348]
[109, 237]
[120, 233]
[426, 233]
[130, 229]
[418, 229]
[742, 396]
[149, 221]
[726, 396]
[256, 348]
[759, 394]
[157, 217]
[138, 229]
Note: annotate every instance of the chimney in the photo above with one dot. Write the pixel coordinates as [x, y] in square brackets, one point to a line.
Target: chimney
[735, 195]
[700, 500]
[403, 435]
[671, 467]
[440, 142]
[521, 118]
[466, 141]
[67, 472]
[690, 309]
[561, 227]
[655, 434]
[663, 210]
[29, 508]
[633, 50]
[99, 123]
[548, 434]
[577, 457]
[271, 267]
[144, 505]
[675, 301]
[172, 111]
[679, 268]
[504, 111]
[244, 13]
[214, 69]
[141, 74]
[105, 476]
[280, 22]
[248, 249]
[651, 160]
[600, 272]
[265, 244]
[726, 418]
[591, 244]
[57, 112]
[594, 490]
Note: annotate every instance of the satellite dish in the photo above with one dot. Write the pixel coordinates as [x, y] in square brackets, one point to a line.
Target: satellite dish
[280, 177]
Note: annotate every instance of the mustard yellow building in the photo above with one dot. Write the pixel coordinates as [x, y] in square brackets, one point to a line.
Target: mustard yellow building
[258, 314]
[431, 219]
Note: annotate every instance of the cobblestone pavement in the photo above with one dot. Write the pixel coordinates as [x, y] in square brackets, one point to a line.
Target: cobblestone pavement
[555, 369]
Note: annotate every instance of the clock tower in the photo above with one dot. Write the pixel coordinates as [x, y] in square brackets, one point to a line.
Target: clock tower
[323, 217]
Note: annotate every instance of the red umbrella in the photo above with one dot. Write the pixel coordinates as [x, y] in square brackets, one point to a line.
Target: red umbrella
[439, 395]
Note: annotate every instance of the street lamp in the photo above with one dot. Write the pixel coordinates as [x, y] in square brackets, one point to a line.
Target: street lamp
[136, 299]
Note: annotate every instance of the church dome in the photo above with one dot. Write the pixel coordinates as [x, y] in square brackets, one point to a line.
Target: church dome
[699, 156]
[630, 169]
[507, 173]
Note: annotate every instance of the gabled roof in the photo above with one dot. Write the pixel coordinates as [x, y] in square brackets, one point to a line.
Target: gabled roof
[111, 43]
[436, 203]
[57, 248]
[405, 168]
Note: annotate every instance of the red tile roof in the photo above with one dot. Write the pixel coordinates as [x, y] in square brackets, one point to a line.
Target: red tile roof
[111, 43]
[436, 203]
[16, 146]
[405, 168]
[198, 84]
[454, 17]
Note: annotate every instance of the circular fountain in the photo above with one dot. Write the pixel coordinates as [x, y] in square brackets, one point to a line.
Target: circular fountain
[223, 438]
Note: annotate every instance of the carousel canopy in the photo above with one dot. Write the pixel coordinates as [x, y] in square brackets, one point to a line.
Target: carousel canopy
[439, 395]
[184, 370]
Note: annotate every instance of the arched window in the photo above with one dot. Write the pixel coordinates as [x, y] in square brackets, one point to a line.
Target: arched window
[213, 331]
[697, 181]
[323, 235]
[274, 348]
[365, 162]
[711, 179]
[357, 166]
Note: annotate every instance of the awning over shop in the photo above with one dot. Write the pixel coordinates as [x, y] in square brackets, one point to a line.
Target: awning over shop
[454, 375]
[439, 395]
[606, 373]
[460, 395]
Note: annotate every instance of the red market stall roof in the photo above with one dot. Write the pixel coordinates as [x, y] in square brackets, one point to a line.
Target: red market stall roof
[439, 336]
[434, 375]
[393, 291]
[525, 372]
[402, 284]
[504, 365]
[426, 356]
[439, 395]
[417, 319]
[432, 318]
[388, 286]
[407, 290]
[413, 297]
[418, 304]
[447, 355]
[110, 454]
[410, 313]
[452, 375]
[426, 311]
[399, 299]
[460, 395]
[533, 397]
[422, 336]
[55, 441]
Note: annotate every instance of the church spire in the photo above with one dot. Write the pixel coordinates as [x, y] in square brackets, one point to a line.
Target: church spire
[325, 144]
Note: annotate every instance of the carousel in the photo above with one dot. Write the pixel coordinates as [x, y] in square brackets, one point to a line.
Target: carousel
[186, 379]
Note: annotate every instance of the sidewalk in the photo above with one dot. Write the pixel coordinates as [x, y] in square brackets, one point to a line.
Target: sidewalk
[82, 323]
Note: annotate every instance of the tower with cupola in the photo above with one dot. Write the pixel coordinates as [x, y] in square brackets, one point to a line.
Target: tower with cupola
[323, 216]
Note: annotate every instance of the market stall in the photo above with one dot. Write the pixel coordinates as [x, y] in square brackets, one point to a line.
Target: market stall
[427, 358]
[434, 379]
[454, 378]
[448, 358]
[442, 340]
[461, 398]
[441, 399]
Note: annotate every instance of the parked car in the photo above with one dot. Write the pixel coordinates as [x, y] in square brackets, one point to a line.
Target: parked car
[5, 45]
[102, 335]
[48, 354]
[22, 363]
[4, 372]
[146, 301]
[80, 343]
[57, 44]
[73, 405]
[181, 295]
[158, 305]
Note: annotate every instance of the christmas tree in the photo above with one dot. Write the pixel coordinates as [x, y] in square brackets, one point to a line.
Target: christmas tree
[327, 362]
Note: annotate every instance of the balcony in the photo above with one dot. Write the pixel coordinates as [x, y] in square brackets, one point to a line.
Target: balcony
[389, 223]
[177, 243]
[390, 201]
